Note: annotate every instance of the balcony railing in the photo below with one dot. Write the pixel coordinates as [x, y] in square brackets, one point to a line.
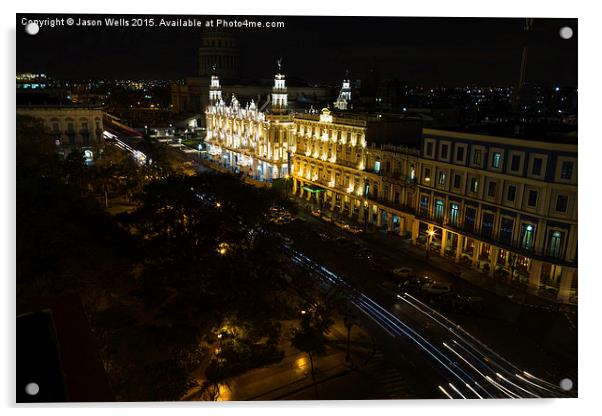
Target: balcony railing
[544, 254]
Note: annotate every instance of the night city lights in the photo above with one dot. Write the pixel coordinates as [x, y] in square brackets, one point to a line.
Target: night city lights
[241, 208]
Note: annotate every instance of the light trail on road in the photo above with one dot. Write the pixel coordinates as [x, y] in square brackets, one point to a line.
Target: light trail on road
[483, 355]
[385, 319]
[476, 364]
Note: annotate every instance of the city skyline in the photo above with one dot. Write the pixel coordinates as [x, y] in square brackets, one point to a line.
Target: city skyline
[431, 51]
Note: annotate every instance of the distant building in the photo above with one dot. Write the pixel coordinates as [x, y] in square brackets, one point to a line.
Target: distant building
[71, 126]
[219, 55]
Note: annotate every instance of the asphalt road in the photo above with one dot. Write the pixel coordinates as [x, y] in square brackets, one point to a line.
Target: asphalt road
[497, 325]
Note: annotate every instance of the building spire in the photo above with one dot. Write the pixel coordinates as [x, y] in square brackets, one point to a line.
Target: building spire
[215, 89]
[344, 98]
[279, 92]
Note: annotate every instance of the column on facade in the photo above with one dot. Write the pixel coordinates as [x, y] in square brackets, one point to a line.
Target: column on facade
[379, 218]
[535, 273]
[360, 216]
[566, 282]
[401, 226]
[333, 201]
[495, 252]
[294, 186]
[389, 221]
[415, 230]
[351, 207]
[459, 248]
[301, 190]
[477, 222]
[539, 236]
[443, 241]
[476, 251]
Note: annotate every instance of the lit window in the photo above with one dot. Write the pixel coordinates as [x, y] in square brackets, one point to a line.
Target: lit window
[555, 247]
[377, 166]
[453, 214]
[527, 232]
[439, 209]
[496, 160]
[474, 185]
[442, 178]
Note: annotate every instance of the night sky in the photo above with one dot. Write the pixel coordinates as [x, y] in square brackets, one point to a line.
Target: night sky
[432, 51]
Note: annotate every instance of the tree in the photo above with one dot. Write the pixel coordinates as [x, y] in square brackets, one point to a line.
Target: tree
[310, 335]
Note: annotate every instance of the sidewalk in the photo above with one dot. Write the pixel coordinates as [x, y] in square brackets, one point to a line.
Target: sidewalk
[520, 295]
[291, 378]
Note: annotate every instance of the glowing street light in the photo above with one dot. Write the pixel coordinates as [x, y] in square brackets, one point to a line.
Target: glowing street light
[430, 232]
[222, 249]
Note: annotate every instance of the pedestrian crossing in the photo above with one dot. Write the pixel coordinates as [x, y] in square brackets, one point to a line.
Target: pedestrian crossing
[394, 384]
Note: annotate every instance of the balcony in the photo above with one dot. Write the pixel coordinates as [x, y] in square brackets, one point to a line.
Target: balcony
[544, 255]
[393, 205]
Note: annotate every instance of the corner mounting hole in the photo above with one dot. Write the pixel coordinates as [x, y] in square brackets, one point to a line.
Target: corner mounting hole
[566, 384]
[32, 389]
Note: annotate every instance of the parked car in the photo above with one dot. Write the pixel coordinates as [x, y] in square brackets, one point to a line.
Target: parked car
[436, 288]
[404, 272]
[415, 284]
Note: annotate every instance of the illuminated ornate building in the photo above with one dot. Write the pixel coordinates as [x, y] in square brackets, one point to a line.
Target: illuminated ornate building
[506, 207]
[247, 140]
[337, 168]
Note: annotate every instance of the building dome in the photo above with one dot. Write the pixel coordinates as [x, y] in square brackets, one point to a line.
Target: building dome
[219, 50]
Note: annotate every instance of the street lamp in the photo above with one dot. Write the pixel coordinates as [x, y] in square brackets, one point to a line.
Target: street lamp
[431, 233]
